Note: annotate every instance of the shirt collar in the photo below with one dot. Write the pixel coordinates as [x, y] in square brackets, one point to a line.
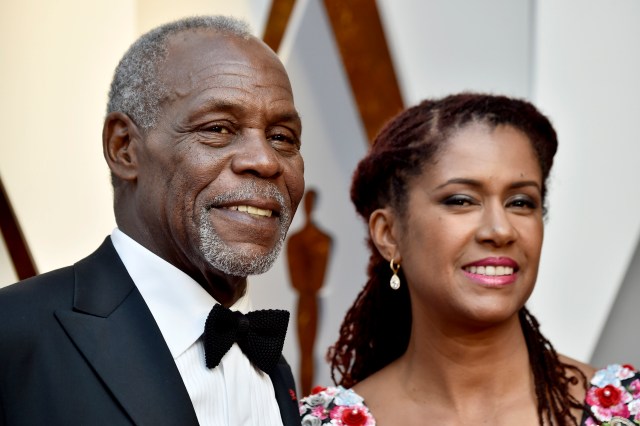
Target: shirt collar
[177, 302]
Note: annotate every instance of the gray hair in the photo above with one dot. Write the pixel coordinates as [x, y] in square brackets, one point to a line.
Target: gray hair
[136, 89]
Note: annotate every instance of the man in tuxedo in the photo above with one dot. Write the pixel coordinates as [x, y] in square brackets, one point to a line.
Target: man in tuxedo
[203, 142]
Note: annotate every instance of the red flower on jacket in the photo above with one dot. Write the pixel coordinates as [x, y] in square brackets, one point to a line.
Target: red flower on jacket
[317, 389]
[610, 400]
[355, 416]
[335, 406]
[608, 396]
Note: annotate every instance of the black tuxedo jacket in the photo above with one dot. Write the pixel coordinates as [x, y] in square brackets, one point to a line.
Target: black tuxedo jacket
[79, 346]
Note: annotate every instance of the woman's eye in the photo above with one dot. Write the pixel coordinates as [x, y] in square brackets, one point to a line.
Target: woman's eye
[458, 200]
[523, 203]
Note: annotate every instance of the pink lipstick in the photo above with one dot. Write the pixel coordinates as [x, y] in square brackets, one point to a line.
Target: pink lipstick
[492, 271]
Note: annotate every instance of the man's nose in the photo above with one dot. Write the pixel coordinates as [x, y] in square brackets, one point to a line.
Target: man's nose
[255, 155]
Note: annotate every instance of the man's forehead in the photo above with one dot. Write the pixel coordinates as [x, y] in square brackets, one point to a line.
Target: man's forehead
[220, 58]
[211, 71]
[212, 46]
[231, 78]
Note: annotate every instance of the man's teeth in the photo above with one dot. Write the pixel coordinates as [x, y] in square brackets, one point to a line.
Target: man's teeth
[252, 210]
[490, 270]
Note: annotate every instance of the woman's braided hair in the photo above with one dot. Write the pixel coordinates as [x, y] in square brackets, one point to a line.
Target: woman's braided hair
[402, 150]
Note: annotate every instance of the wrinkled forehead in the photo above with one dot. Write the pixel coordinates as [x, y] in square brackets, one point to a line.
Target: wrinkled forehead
[206, 57]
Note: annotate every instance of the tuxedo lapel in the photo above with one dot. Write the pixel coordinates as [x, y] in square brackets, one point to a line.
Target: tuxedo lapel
[284, 387]
[116, 333]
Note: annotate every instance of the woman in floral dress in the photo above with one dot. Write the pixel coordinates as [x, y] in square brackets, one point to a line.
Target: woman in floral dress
[453, 191]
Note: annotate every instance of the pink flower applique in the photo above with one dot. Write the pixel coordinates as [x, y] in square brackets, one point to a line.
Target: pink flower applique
[609, 401]
[320, 412]
[335, 406]
[614, 395]
[626, 371]
[590, 422]
[344, 415]
[634, 388]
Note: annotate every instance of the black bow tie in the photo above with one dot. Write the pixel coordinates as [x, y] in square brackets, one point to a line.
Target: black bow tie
[260, 335]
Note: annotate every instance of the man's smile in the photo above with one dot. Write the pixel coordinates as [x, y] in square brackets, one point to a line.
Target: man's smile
[256, 211]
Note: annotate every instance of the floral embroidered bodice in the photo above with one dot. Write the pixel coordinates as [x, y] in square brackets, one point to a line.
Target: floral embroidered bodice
[613, 399]
[334, 406]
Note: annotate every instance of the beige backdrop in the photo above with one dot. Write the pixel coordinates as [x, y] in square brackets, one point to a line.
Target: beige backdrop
[578, 60]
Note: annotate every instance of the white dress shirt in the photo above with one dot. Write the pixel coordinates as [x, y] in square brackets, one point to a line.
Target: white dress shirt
[234, 393]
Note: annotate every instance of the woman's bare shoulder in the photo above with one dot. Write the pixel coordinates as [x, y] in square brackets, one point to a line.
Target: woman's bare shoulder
[369, 387]
[586, 369]
[381, 388]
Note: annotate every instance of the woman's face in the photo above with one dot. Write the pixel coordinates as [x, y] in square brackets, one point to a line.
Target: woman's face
[470, 237]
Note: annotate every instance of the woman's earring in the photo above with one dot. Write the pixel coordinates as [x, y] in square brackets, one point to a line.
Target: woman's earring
[394, 282]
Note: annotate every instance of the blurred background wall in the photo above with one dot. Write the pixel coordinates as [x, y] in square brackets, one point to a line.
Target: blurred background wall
[578, 60]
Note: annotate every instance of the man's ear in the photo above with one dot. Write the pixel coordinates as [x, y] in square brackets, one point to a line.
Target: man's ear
[383, 231]
[120, 136]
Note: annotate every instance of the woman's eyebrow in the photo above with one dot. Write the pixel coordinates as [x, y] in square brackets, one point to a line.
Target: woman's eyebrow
[477, 183]
[460, 181]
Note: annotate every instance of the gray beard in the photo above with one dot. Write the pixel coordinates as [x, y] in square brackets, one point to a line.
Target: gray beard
[235, 261]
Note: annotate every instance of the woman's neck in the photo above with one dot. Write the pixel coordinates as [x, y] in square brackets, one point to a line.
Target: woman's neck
[457, 362]
[455, 376]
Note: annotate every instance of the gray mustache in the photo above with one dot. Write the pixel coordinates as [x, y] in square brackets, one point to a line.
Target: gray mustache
[250, 190]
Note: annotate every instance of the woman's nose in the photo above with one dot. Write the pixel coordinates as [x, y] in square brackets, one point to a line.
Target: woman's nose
[496, 227]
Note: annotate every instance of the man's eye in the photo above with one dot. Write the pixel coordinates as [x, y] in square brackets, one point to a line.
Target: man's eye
[285, 139]
[218, 129]
[281, 138]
